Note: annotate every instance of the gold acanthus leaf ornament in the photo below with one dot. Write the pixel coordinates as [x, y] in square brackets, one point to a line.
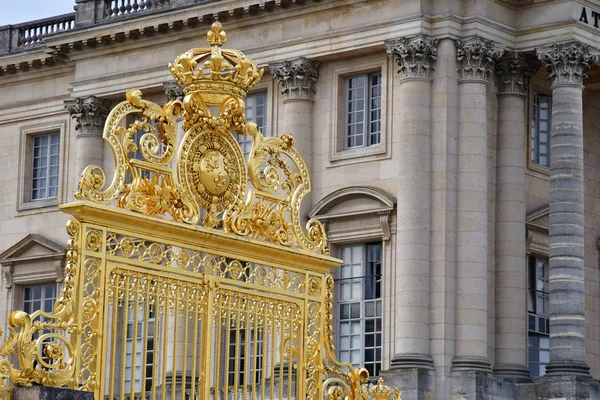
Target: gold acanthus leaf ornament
[206, 174]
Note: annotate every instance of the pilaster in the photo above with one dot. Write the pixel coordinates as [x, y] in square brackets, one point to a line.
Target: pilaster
[415, 57]
[567, 64]
[476, 57]
[513, 72]
[298, 79]
[90, 115]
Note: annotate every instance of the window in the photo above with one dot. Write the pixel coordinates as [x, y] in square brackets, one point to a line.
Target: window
[248, 359]
[538, 320]
[362, 116]
[540, 129]
[358, 300]
[145, 331]
[45, 164]
[256, 111]
[39, 297]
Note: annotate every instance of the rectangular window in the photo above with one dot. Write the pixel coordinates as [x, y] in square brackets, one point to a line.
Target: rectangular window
[538, 319]
[358, 298]
[39, 297]
[45, 165]
[144, 333]
[362, 116]
[541, 111]
[248, 366]
[256, 111]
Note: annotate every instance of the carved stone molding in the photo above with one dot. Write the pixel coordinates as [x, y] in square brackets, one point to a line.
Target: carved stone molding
[514, 71]
[7, 271]
[568, 63]
[414, 56]
[173, 90]
[297, 77]
[90, 113]
[477, 57]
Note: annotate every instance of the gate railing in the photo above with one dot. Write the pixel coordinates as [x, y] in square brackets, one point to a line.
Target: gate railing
[162, 308]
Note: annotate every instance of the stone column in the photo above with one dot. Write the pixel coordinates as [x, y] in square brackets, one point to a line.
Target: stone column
[514, 72]
[567, 64]
[476, 57]
[415, 57]
[90, 113]
[298, 77]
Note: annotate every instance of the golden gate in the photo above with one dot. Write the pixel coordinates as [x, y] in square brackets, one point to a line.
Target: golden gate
[189, 274]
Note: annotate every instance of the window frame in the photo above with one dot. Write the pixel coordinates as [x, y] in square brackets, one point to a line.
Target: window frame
[367, 121]
[377, 315]
[533, 313]
[244, 139]
[534, 111]
[338, 153]
[539, 85]
[25, 201]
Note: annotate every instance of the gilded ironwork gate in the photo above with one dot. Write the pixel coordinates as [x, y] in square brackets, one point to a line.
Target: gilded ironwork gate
[155, 306]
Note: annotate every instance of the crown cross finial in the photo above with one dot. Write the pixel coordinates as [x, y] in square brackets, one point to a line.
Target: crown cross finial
[216, 36]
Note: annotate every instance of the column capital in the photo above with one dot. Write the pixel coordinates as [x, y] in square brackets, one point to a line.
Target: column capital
[514, 71]
[173, 90]
[414, 55]
[90, 112]
[297, 77]
[568, 63]
[477, 57]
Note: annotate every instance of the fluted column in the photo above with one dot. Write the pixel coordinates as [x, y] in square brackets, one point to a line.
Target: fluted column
[90, 113]
[298, 79]
[514, 72]
[476, 57]
[414, 57]
[567, 64]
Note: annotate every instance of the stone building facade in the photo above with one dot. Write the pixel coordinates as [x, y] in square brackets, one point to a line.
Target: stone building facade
[454, 151]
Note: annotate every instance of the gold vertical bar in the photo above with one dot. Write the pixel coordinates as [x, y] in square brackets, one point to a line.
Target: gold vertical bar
[255, 350]
[145, 351]
[113, 350]
[196, 305]
[134, 337]
[157, 338]
[264, 351]
[290, 354]
[236, 377]
[165, 340]
[281, 358]
[175, 342]
[273, 348]
[206, 341]
[185, 346]
[218, 343]
[124, 341]
[227, 346]
[246, 364]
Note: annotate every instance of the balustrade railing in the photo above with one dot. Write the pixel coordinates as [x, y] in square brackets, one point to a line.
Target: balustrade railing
[27, 34]
[33, 32]
[119, 8]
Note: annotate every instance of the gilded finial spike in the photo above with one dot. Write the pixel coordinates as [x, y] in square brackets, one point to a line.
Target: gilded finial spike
[216, 36]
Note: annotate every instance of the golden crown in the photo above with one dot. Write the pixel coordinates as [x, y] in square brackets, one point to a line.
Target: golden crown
[220, 72]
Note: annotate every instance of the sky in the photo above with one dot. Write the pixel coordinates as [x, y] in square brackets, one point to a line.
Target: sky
[15, 11]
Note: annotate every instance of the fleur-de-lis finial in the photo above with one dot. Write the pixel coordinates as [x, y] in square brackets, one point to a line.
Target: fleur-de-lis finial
[216, 36]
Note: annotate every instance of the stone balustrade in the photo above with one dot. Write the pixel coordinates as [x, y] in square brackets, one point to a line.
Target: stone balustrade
[28, 34]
